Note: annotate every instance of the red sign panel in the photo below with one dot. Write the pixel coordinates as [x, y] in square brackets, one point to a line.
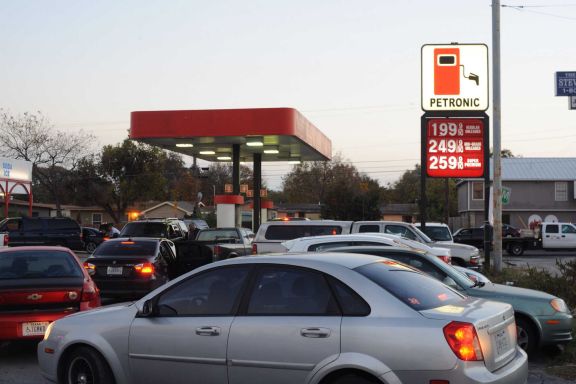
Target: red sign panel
[455, 148]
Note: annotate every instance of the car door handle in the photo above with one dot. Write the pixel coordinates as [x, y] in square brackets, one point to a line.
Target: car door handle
[208, 331]
[315, 333]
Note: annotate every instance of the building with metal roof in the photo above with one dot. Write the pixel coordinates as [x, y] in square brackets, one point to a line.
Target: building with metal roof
[534, 189]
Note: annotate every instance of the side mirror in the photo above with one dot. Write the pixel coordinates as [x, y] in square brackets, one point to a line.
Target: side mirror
[148, 309]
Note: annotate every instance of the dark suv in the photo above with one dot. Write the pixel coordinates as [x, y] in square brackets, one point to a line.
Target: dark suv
[173, 229]
[43, 231]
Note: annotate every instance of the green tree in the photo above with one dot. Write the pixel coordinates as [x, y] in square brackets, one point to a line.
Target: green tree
[126, 173]
[343, 192]
[407, 190]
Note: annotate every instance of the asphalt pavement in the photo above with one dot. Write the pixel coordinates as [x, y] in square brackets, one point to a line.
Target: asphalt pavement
[18, 365]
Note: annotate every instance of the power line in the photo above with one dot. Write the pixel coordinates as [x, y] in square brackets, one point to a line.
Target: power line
[523, 8]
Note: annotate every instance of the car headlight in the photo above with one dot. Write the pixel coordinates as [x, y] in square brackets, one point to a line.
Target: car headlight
[559, 305]
[48, 331]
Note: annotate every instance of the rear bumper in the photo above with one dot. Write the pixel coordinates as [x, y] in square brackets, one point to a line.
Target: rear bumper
[11, 324]
[126, 288]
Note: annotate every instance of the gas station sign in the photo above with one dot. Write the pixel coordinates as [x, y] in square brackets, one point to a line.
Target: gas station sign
[455, 147]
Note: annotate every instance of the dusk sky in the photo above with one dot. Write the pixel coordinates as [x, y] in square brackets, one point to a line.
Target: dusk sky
[351, 67]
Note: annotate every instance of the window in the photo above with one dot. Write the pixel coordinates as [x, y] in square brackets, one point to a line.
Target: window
[96, 219]
[289, 232]
[568, 229]
[33, 225]
[561, 191]
[400, 230]
[350, 302]
[477, 190]
[552, 228]
[38, 265]
[328, 245]
[127, 248]
[369, 228]
[62, 224]
[419, 291]
[291, 292]
[213, 293]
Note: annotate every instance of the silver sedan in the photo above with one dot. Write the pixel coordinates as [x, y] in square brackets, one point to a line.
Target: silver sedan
[326, 318]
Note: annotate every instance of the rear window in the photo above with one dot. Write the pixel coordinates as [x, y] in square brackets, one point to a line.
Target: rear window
[438, 233]
[290, 232]
[218, 235]
[38, 265]
[144, 230]
[126, 248]
[417, 290]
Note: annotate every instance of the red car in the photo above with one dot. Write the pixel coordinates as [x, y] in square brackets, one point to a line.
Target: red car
[39, 285]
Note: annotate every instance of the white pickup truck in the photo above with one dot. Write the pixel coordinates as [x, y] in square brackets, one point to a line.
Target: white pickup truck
[462, 254]
[550, 237]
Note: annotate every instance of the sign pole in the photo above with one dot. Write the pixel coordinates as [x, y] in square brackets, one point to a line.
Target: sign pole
[423, 202]
[487, 239]
[497, 198]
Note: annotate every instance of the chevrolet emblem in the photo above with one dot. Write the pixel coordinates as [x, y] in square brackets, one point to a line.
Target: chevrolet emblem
[34, 296]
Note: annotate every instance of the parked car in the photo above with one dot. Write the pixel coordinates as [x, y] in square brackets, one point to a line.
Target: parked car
[314, 318]
[61, 231]
[438, 232]
[271, 234]
[542, 319]
[131, 267]
[464, 255]
[39, 285]
[470, 236]
[170, 228]
[323, 243]
[92, 238]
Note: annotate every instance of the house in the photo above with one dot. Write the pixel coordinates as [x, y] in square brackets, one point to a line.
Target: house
[399, 212]
[309, 211]
[178, 209]
[534, 190]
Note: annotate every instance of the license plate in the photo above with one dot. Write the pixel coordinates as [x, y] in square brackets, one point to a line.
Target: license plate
[114, 270]
[35, 328]
[502, 343]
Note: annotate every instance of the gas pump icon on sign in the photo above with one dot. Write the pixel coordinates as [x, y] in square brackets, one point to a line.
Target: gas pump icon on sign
[447, 72]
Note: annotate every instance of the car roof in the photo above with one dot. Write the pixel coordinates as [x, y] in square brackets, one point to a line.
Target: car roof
[139, 239]
[346, 260]
[378, 248]
[35, 248]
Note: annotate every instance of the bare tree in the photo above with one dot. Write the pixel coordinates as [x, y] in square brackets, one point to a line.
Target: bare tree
[31, 137]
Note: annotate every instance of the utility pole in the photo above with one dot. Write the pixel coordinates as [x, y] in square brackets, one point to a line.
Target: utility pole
[496, 118]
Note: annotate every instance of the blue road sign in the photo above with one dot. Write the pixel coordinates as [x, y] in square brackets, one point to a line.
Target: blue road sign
[565, 83]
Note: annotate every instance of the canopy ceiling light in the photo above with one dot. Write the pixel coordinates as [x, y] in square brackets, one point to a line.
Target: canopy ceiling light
[271, 150]
[207, 152]
[184, 145]
[295, 161]
[227, 158]
[255, 141]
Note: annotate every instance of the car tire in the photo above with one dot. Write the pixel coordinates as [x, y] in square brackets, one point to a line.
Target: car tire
[90, 247]
[527, 336]
[85, 365]
[352, 378]
[516, 249]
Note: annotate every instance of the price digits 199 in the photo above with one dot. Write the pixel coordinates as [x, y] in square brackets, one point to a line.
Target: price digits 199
[447, 129]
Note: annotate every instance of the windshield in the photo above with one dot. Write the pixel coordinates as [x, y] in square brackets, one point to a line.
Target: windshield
[422, 234]
[218, 234]
[144, 230]
[38, 265]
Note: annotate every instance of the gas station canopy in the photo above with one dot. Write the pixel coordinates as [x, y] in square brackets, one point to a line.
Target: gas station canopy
[278, 134]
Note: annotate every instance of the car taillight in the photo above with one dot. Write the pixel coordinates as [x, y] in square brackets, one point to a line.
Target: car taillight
[254, 249]
[91, 268]
[463, 340]
[216, 252]
[144, 268]
[6, 240]
[90, 295]
[446, 259]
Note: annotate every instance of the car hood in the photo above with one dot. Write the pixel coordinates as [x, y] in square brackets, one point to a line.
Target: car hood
[104, 310]
[457, 249]
[495, 291]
